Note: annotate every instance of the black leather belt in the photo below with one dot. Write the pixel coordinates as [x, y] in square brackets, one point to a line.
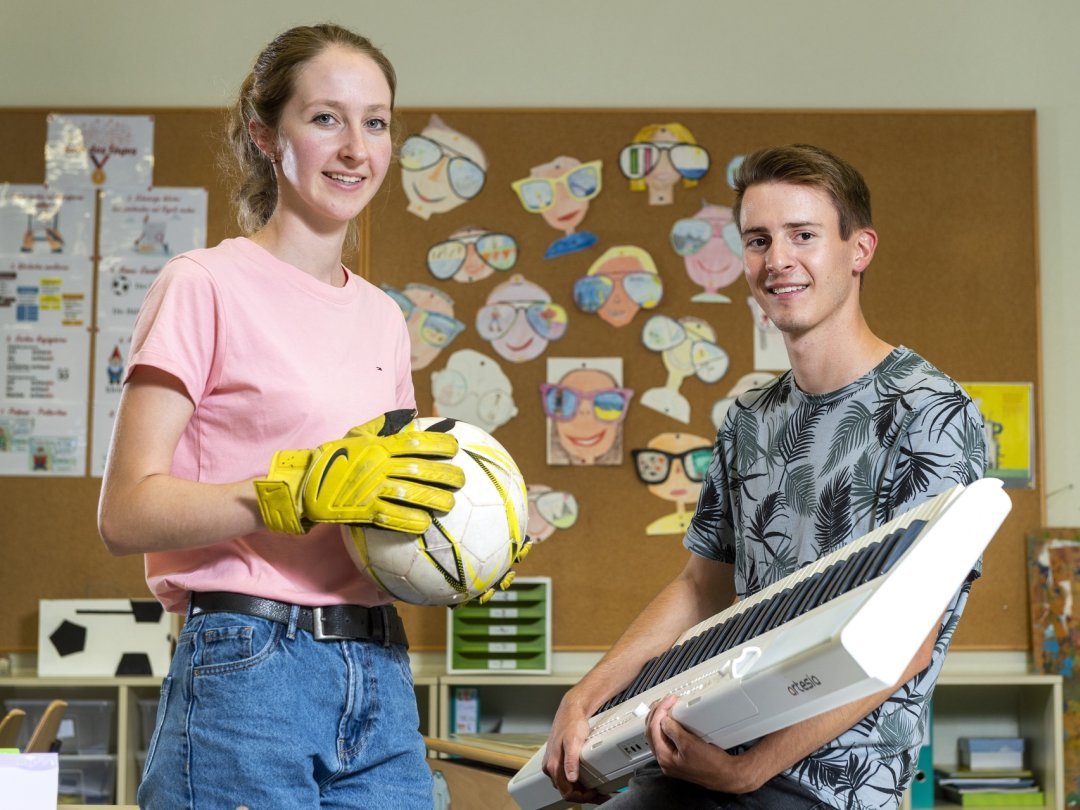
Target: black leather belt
[380, 624]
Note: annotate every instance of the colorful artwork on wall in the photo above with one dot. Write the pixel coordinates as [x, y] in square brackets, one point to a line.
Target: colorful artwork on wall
[1053, 578]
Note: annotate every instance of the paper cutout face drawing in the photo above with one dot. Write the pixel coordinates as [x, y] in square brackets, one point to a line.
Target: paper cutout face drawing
[711, 249]
[674, 465]
[549, 510]
[560, 191]
[441, 169]
[429, 314]
[687, 346]
[520, 319]
[472, 254]
[585, 408]
[770, 351]
[474, 389]
[619, 284]
[661, 155]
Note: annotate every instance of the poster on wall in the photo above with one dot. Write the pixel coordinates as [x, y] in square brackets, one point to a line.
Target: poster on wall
[44, 327]
[42, 440]
[40, 221]
[158, 222]
[99, 151]
[140, 231]
[1007, 410]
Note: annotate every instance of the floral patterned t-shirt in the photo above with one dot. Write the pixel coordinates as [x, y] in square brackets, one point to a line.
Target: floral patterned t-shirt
[795, 476]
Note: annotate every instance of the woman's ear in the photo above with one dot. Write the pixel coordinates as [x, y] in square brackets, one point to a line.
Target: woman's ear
[263, 138]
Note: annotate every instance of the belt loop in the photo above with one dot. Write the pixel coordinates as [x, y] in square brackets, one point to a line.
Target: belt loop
[384, 620]
[294, 617]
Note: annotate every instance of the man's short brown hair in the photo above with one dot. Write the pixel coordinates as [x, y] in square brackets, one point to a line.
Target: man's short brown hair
[805, 165]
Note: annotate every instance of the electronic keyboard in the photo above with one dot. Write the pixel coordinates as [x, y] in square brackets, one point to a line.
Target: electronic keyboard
[835, 631]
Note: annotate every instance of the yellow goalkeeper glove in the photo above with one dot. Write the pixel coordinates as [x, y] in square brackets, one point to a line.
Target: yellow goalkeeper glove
[383, 472]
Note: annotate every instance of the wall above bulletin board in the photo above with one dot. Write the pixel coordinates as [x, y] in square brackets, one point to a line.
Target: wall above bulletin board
[551, 282]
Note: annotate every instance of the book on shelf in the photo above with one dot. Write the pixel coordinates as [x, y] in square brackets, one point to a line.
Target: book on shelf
[990, 752]
[990, 797]
[1003, 779]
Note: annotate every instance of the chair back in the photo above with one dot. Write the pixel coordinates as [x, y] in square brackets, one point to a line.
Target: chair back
[45, 736]
[10, 727]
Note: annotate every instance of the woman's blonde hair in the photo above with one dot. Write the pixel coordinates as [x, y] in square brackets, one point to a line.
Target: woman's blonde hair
[262, 98]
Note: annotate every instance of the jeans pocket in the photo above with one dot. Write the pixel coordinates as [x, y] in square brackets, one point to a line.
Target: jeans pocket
[228, 643]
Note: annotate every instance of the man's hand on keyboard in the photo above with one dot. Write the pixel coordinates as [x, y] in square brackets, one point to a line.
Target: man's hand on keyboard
[561, 759]
[681, 754]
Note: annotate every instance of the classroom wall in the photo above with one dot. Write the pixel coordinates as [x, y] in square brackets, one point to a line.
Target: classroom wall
[630, 53]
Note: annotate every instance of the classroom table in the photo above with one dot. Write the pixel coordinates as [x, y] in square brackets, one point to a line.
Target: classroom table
[477, 767]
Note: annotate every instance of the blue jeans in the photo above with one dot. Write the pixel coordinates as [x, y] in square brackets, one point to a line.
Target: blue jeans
[256, 714]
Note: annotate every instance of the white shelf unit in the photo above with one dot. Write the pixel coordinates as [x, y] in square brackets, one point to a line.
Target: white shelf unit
[127, 731]
[1004, 705]
[517, 704]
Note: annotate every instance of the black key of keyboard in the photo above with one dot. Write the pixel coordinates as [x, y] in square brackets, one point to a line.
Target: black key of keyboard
[902, 543]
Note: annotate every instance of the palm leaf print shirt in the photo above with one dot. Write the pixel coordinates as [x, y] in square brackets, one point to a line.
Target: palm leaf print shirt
[795, 476]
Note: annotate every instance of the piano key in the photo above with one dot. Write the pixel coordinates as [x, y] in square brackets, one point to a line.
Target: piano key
[901, 544]
[740, 626]
[640, 685]
[760, 622]
[773, 616]
[699, 648]
[669, 666]
[625, 694]
[837, 577]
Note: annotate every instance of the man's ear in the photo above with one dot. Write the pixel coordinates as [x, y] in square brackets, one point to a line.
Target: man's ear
[864, 247]
[263, 138]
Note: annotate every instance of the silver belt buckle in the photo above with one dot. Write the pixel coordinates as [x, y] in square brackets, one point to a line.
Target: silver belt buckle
[317, 628]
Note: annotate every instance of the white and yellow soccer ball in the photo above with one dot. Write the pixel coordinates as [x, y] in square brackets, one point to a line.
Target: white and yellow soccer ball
[465, 553]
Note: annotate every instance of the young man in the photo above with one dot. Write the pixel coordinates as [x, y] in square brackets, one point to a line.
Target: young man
[855, 434]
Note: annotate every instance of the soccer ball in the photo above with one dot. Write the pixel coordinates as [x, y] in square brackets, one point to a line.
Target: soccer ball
[465, 552]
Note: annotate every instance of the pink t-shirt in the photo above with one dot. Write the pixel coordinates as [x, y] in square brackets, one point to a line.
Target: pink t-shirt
[273, 360]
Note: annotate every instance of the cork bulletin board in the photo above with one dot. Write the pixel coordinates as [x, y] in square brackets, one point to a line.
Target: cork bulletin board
[955, 278]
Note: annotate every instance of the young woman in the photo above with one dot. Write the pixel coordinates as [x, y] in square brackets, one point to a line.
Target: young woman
[290, 686]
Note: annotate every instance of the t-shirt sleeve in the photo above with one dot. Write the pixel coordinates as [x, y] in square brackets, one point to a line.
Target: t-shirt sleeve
[179, 329]
[711, 533]
[944, 445]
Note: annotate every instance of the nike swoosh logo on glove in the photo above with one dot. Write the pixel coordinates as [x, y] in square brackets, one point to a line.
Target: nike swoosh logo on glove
[341, 451]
